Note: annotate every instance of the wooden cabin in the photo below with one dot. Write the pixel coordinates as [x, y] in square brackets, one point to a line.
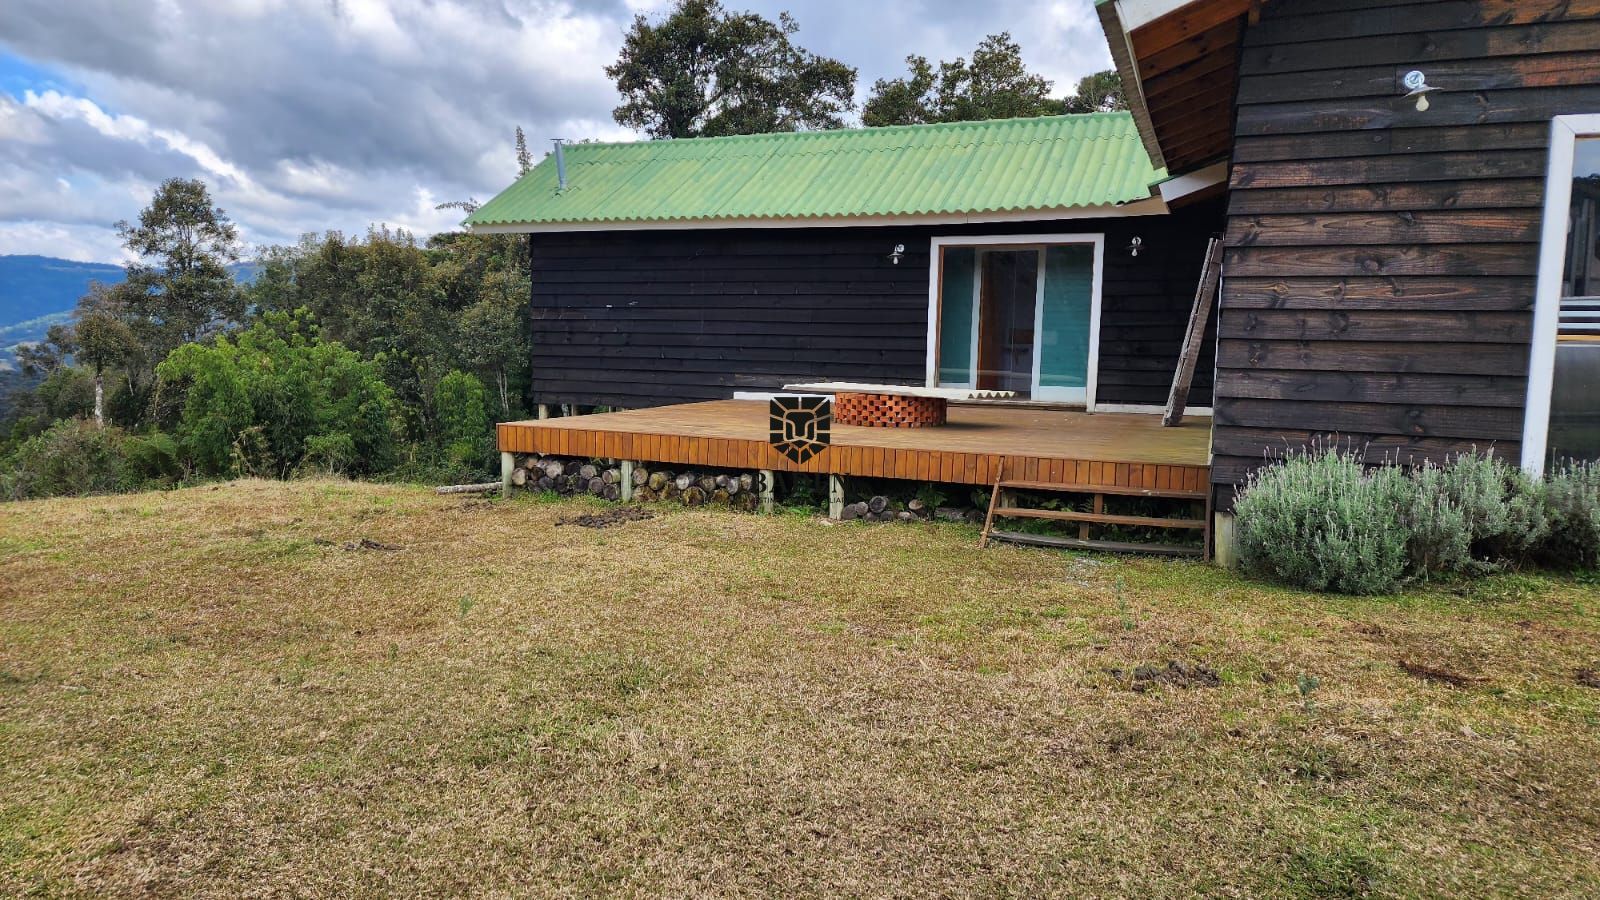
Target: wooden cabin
[1406, 189]
[977, 253]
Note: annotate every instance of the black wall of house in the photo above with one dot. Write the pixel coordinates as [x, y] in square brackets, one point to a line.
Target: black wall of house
[1379, 280]
[645, 318]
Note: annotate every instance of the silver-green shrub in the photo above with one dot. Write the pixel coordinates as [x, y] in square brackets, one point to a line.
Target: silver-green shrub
[1475, 513]
[1321, 520]
[1572, 499]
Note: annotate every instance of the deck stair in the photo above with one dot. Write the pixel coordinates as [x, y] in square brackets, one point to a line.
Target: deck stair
[1002, 505]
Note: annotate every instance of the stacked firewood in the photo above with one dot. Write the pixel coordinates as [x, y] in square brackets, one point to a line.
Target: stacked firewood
[880, 509]
[603, 478]
[693, 488]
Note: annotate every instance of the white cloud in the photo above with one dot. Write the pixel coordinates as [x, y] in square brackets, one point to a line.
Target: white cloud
[309, 115]
[85, 243]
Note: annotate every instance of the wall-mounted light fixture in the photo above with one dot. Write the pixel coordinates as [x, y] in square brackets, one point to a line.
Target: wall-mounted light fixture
[1134, 246]
[898, 254]
[1417, 85]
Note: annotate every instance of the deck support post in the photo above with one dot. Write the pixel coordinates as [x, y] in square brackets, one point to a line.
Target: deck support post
[835, 496]
[769, 491]
[1225, 540]
[627, 480]
[508, 463]
[544, 411]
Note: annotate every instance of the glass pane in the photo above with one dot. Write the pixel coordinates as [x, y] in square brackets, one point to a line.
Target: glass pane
[1064, 336]
[1581, 276]
[1010, 293]
[956, 285]
[1574, 414]
[1575, 391]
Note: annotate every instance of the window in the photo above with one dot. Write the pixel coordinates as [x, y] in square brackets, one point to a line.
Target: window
[1563, 408]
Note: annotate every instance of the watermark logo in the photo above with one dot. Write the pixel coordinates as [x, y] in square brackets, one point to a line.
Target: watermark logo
[801, 425]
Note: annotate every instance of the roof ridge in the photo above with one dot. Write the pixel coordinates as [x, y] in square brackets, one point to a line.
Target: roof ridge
[864, 129]
[887, 148]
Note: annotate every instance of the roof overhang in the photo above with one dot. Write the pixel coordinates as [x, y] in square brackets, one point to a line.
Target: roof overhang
[1179, 62]
[1150, 206]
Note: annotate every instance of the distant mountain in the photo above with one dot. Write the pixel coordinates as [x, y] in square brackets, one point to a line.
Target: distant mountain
[39, 291]
[34, 286]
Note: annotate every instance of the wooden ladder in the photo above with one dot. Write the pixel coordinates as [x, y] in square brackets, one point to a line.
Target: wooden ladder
[1001, 506]
[1194, 338]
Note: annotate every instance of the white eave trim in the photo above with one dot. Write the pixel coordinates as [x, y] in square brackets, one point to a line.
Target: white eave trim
[1150, 206]
[1135, 13]
[1194, 182]
[1120, 43]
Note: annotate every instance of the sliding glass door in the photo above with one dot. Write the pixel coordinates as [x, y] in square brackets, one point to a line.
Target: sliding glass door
[1563, 411]
[1015, 316]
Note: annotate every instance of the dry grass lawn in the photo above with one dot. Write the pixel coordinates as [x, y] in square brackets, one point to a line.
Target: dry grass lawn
[203, 693]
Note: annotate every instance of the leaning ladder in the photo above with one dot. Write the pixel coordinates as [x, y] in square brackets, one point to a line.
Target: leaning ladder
[1002, 506]
[1194, 338]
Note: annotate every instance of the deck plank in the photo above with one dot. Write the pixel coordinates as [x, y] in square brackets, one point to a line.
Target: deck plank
[1055, 446]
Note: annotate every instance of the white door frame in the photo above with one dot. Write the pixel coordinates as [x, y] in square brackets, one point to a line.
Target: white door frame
[1564, 134]
[1039, 242]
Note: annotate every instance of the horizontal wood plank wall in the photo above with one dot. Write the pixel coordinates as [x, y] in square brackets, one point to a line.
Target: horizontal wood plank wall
[641, 318]
[1380, 268]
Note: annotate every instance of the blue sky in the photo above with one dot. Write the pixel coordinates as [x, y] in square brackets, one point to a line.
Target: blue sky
[310, 115]
[18, 75]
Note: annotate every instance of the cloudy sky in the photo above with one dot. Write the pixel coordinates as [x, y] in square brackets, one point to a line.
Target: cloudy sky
[307, 115]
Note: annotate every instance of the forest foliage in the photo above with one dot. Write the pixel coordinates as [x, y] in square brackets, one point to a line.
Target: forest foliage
[368, 356]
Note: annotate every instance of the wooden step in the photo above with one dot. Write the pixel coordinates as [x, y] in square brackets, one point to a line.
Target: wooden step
[1119, 490]
[1061, 543]
[1070, 515]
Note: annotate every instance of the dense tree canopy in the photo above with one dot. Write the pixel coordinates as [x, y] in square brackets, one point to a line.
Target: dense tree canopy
[1100, 92]
[703, 71]
[993, 85]
[275, 397]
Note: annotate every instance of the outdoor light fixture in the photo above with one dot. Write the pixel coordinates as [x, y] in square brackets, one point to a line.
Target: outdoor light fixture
[1135, 245]
[899, 251]
[1417, 84]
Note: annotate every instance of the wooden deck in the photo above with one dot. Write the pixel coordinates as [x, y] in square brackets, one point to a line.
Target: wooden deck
[1046, 446]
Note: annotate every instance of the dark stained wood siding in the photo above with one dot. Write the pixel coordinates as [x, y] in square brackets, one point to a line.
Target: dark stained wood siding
[646, 318]
[1380, 269]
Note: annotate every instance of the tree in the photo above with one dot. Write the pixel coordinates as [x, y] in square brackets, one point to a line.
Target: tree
[465, 434]
[703, 71]
[493, 339]
[276, 397]
[995, 85]
[104, 338]
[1100, 92]
[524, 158]
[50, 354]
[180, 286]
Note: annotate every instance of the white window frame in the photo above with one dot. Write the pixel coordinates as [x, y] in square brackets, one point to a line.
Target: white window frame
[1066, 396]
[1564, 134]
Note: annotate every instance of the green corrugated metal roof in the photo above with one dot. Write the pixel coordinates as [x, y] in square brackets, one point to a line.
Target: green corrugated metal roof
[1051, 162]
